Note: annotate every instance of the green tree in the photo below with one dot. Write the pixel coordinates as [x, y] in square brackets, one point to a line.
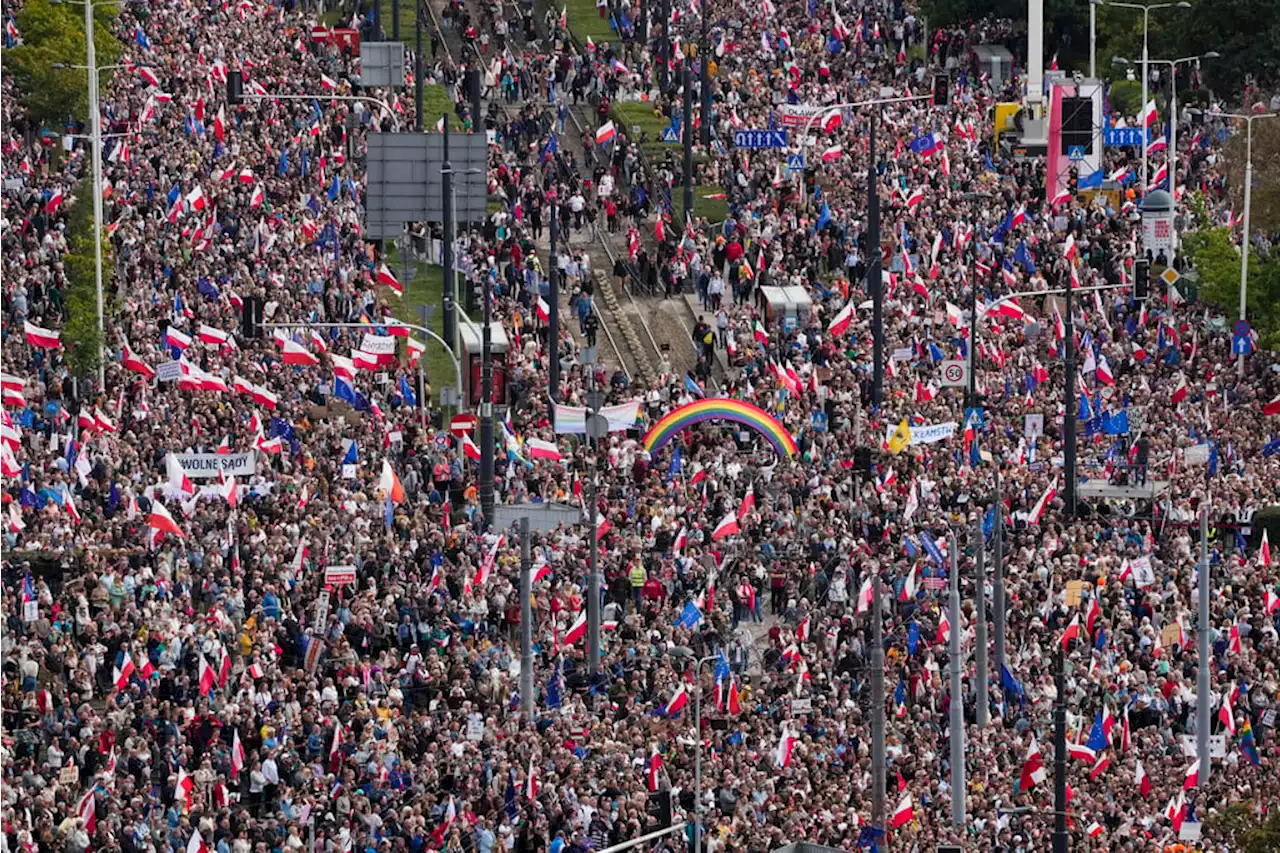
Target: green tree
[1264, 201]
[53, 34]
[1248, 832]
[80, 324]
[1217, 260]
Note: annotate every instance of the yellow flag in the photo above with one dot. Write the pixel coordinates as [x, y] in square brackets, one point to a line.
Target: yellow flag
[900, 439]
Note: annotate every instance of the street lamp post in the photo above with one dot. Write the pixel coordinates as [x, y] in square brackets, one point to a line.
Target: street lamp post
[1069, 411]
[697, 746]
[1146, 10]
[422, 403]
[1172, 155]
[1248, 186]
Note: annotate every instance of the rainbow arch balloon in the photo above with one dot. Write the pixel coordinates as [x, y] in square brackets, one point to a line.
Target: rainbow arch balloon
[721, 409]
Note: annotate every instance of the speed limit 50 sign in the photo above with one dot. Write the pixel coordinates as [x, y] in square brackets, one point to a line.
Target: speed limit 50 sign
[955, 373]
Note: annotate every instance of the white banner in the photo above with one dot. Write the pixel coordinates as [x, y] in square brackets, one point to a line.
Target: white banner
[572, 420]
[205, 466]
[378, 344]
[798, 115]
[929, 434]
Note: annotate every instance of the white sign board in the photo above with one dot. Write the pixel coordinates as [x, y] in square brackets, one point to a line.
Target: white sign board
[1157, 231]
[929, 434]
[1144, 575]
[1217, 746]
[378, 344]
[902, 354]
[1033, 426]
[802, 706]
[475, 728]
[322, 610]
[205, 466]
[339, 575]
[955, 373]
[169, 371]
[1196, 455]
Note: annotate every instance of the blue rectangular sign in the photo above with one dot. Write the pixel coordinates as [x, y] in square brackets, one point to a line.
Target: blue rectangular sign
[1115, 137]
[760, 139]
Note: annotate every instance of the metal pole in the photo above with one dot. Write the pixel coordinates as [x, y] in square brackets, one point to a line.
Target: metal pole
[971, 393]
[417, 69]
[874, 280]
[664, 48]
[1060, 837]
[980, 612]
[1202, 642]
[1146, 72]
[449, 298]
[1071, 397]
[95, 124]
[377, 20]
[474, 91]
[457, 365]
[526, 622]
[1173, 136]
[395, 20]
[1093, 40]
[593, 566]
[553, 320]
[997, 584]
[1244, 237]
[697, 759]
[486, 407]
[877, 703]
[957, 691]
[688, 139]
[705, 83]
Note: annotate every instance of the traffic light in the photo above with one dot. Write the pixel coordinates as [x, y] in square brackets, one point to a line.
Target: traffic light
[941, 90]
[862, 461]
[235, 88]
[251, 317]
[1141, 278]
[1073, 180]
[659, 809]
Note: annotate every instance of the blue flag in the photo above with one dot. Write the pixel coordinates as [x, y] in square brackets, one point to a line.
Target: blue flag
[174, 193]
[509, 797]
[913, 638]
[1097, 735]
[283, 168]
[343, 391]
[824, 216]
[1088, 182]
[692, 387]
[349, 458]
[677, 464]
[1011, 685]
[689, 617]
[989, 521]
[931, 547]
[113, 497]
[406, 392]
[935, 352]
[552, 698]
[1213, 459]
[334, 189]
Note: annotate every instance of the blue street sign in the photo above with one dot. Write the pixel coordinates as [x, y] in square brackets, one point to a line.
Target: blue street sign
[760, 139]
[1075, 153]
[1116, 137]
[976, 414]
[669, 134]
[1241, 338]
[795, 162]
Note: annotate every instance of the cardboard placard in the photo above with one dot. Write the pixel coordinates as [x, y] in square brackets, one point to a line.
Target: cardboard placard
[1074, 591]
[1170, 635]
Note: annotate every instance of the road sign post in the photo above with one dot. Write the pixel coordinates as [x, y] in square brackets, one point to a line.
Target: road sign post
[955, 373]
[760, 139]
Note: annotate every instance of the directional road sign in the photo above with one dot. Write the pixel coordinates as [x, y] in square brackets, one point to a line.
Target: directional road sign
[760, 139]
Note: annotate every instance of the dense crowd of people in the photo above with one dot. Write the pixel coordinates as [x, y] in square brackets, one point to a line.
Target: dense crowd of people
[313, 640]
